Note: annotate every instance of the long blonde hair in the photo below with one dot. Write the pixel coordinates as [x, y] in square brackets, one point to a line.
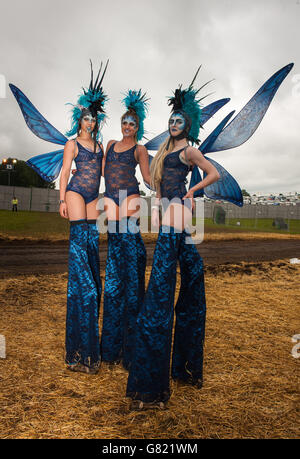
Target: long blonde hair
[157, 163]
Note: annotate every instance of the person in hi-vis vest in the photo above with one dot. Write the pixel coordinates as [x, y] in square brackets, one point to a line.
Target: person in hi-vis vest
[14, 202]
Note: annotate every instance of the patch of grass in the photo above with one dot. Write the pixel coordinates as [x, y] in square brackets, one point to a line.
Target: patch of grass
[50, 226]
[33, 224]
[252, 224]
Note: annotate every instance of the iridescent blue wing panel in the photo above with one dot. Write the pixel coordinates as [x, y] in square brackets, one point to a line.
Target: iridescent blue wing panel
[211, 109]
[48, 165]
[196, 178]
[205, 145]
[226, 188]
[35, 121]
[154, 143]
[241, 128]
[207, 113]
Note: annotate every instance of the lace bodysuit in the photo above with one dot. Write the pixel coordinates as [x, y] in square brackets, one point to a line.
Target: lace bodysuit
[173, 179]
[86, 180]
[119, 174]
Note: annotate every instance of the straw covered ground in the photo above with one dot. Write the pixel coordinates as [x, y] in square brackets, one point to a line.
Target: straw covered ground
[251, 377]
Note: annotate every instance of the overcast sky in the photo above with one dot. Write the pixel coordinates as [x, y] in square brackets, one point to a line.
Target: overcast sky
[155, 45]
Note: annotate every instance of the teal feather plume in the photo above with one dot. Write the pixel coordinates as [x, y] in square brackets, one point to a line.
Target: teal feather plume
[186, 100]
[136, 101]
[92, 99]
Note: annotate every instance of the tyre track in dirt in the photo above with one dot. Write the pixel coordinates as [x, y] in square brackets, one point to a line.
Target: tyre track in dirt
[52, 258]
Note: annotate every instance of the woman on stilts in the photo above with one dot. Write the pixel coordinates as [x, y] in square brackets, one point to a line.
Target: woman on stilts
[126, 258]
[148, 381]
[78, 201]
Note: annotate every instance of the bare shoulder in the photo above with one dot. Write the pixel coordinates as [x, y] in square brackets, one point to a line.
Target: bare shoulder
[193, 152]
[141, 149]
[69, 145]
[109, 144]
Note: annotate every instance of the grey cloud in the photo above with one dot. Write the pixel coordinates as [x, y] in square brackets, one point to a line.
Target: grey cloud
[156, 44]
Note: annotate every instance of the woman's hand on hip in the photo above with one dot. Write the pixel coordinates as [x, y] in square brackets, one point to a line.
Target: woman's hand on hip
[190, 195]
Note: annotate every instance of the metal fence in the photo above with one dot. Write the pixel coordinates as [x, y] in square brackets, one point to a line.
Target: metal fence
[39, 199]
[255, 211]
[46, 200]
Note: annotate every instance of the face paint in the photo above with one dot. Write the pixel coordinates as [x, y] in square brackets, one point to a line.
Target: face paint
[177, 122]
[129, 120]
[89, 118]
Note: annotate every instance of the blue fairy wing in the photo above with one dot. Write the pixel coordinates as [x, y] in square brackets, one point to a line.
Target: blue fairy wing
[208, 111]
[47, 165]
[241, 128]
[226, 188]
[35, 121]
[238, 131]
[205, 145]
[206, 114]
[196, 176]
[154, 143]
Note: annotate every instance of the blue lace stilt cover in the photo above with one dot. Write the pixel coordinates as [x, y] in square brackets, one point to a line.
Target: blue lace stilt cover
[190, 310]
[134, 254]
[123, 292]
[82, 330]
[114, 303]
[93, 255]
[149, 373]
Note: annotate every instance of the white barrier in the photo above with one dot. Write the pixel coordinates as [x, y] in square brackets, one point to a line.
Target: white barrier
[2, 347]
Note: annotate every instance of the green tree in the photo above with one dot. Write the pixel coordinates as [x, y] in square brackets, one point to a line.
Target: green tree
[23, 175]
[245, 193]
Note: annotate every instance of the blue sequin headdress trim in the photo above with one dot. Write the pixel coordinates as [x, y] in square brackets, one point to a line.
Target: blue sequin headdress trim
[185, 101]
[136, 101]
[92, 100]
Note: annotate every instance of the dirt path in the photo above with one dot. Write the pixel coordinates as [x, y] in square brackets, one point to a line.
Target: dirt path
[19, 259]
